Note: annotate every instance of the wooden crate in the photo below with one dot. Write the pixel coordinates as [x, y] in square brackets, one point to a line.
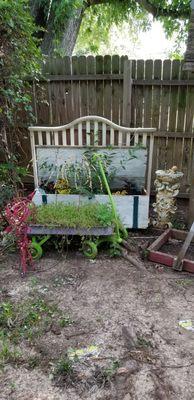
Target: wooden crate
[158, 256]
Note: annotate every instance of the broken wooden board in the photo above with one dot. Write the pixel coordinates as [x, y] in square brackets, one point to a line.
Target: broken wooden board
[156, 255]
[177, 264]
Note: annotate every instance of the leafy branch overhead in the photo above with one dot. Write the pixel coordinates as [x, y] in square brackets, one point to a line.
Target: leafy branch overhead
[61, 19]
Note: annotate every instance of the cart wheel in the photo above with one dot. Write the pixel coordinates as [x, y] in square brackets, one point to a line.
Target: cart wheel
[89, 249]
[36, 250]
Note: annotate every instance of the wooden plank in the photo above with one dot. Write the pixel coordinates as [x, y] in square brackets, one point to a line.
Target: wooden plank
[57, 230]
[67, 90]
[174, 97]
[189, 123]
[62, 65]
[76, 106]
[156, 95]
[56, 138]
[165, 145]
[127, 92]
[144, 140]
[128, 140]
[139, 94]
[136, 139]
[40, 142]
[94, 77]
[165, 97]
[83, 87]
[122, 63]
[173, 135]
[55, 102]
[182, 97]
[48, 138]
[133, 109]
[34, 161]
[116, 90]
[186, 145]
[91, 66]
[99, 86]
[41, 102]
[80, 138]
[191, 199]
[148, 94]
[178, 151]
[161, 153]
[96, 128]
[160, 241]
[88, 133]
[177, 264]
[112, 137]
[64, 137]
[149, 166]
[120, 138]
[107, 88]
[72, 136]
[170, 152]
[104, 141]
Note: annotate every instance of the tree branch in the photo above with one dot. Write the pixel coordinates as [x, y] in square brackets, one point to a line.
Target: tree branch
[156, 11]
[168, 11]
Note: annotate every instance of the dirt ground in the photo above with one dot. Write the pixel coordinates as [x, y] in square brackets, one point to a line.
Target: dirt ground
[131, 315]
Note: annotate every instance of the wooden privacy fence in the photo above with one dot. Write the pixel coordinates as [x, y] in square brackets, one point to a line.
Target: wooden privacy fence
[136, 93]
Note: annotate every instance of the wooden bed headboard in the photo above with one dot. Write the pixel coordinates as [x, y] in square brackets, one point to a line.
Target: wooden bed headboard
[94, 131]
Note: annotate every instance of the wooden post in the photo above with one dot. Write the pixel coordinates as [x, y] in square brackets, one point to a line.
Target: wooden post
[191, 200]
[149, 167]
[34, 161]
[127, 89]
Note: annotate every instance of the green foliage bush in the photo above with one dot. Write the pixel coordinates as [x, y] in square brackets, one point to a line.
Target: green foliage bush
[19, 59]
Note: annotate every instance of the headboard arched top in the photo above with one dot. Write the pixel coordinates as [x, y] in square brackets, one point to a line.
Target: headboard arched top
[90, 130]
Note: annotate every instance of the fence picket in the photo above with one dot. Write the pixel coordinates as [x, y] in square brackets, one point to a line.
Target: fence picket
[64, 138]
[115, 90]
[40, 142]
[107, 88]
[139, 94]
[91, 86]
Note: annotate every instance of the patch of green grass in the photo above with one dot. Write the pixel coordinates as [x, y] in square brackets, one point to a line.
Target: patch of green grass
[34, 281]
[65, 321]
[63, 371]
[33, 362]
[111, 369]
[71, 216]
[8, 354]
[63, 367]
[29, 319]
[177, 224]
[142, 342]
[184, 282]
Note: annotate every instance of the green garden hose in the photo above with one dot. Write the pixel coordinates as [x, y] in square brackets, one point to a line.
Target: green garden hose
[117, 222]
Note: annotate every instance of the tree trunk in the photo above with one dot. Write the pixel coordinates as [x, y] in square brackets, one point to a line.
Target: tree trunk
[189, 54]
[68, 38]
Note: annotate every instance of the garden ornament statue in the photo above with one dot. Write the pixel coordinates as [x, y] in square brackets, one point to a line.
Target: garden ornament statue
[167, 186]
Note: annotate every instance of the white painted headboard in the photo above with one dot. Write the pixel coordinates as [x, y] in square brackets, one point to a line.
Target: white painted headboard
[94, 131]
